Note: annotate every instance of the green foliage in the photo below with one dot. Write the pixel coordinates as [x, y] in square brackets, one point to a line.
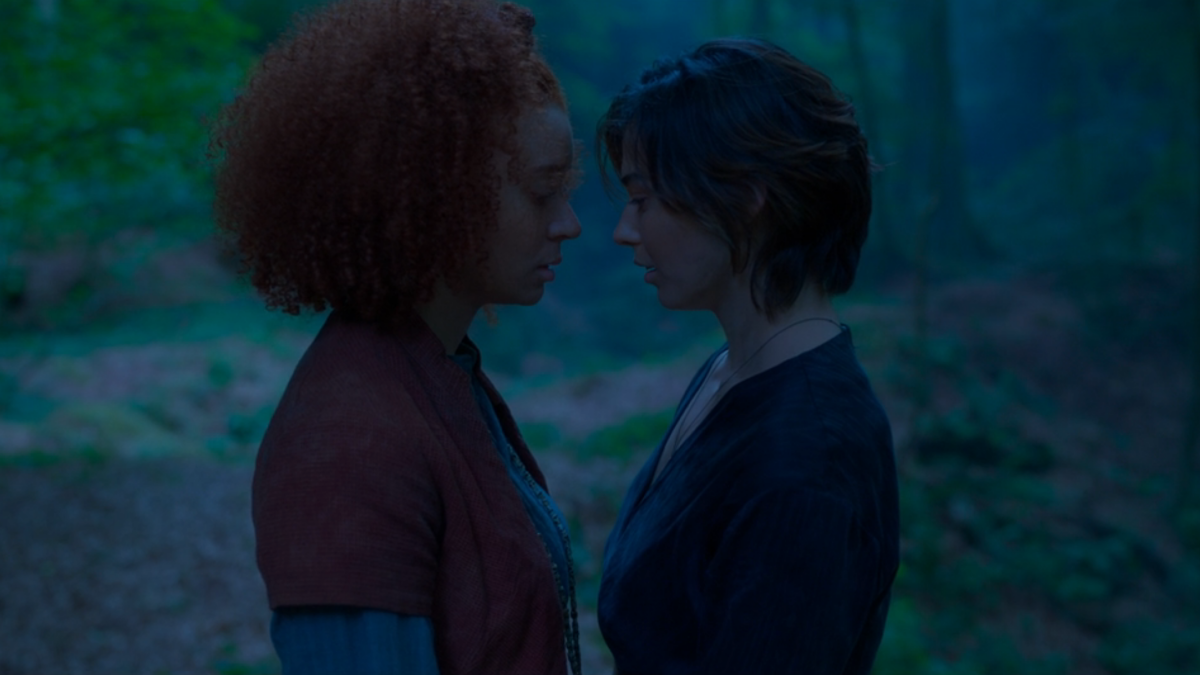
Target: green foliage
[904, 650]
[111, 429]
[42, 458]
[244, 428]
[9, 386]
[985, 538]
[540, 435]
[597, 322]
[628, 440]
[1187, 522]
[1148, 646]
[230, 664]
[103, 107]
[220, 373]
[1079, 130]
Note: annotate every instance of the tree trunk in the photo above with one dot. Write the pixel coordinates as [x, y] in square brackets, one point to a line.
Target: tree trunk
[717, 15]
[953, 224]
[1191, 434]
[866, 115]
[760, 18]
[726, 18]
[921, 394]
[47, 9]
[1067, 106]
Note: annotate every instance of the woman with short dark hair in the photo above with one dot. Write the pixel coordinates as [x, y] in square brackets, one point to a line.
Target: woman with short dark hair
[404, 163]
[762, 535]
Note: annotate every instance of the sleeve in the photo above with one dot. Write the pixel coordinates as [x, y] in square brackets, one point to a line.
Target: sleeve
[353, 641]
[790, 588]
[346, 514]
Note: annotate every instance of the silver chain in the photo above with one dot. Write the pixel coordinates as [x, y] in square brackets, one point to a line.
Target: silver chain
[567, 605]
[679, 437]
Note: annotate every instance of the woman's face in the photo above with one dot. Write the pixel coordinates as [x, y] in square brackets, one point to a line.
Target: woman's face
[689, 266]
[535, 211]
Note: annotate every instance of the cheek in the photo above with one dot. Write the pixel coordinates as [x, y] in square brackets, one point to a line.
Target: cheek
[693, 253]
[509, 209]
[656, 236]
[515, 224]
[667, 237]
[514, 251]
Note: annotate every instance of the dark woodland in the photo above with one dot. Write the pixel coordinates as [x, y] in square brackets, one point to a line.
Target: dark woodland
[1028, 309]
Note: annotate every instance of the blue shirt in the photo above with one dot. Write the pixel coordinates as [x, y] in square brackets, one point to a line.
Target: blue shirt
[345, 640]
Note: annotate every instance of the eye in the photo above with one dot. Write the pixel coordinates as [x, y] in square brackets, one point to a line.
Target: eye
[541, 193]
[638, 203]
[563, 190]
[573, 179]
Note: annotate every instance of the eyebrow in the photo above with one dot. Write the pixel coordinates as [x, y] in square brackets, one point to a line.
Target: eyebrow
[633, 177]
[553, 167]
[561, 164]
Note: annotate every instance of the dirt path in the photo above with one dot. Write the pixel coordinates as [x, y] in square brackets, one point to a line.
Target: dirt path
[128, 567]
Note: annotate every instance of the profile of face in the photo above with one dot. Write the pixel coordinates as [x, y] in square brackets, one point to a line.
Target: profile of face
[535, 215]
[689, 266]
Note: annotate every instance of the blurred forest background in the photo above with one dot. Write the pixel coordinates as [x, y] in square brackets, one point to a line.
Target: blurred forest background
[1028, 309]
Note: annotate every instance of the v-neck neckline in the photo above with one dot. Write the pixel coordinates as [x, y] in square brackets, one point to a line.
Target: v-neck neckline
[651, 482]
[667, 453]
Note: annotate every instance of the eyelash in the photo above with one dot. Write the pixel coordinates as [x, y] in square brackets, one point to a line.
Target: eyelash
[571, 181]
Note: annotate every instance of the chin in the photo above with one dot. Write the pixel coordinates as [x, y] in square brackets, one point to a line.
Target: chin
[683, 304]
[525, 297]
[529, 297]
[671, 303]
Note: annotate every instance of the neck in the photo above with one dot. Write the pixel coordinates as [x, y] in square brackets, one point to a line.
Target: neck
[449, 316]
[768, 342]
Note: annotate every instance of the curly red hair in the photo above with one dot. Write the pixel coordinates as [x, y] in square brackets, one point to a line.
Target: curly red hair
[355, 168]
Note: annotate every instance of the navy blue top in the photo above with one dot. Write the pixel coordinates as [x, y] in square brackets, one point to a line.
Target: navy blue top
[325, 640]
[770, 540]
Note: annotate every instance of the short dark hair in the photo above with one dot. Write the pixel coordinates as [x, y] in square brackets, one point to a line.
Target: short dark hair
[739, 120]
[354, 169]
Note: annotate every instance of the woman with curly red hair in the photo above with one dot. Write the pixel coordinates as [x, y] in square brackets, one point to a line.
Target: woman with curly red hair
[403, 163]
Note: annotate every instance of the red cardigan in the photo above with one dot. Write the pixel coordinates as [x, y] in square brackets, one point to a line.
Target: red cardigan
[377, 485]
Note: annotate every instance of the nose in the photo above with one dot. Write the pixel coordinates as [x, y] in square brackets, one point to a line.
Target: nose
[625, 233]
[566, 225]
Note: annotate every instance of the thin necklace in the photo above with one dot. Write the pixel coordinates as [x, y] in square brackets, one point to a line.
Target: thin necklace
[566, 587]
[716, 395]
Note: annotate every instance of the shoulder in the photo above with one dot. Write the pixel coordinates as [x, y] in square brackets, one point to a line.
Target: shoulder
[348, 428]
[355, 386]
[823, 435]
[347, 462]
[823, 400]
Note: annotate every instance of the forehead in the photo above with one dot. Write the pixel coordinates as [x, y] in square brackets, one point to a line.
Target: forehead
[544, 138]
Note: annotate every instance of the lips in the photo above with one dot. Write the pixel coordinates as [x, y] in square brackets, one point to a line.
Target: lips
[545, 271]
